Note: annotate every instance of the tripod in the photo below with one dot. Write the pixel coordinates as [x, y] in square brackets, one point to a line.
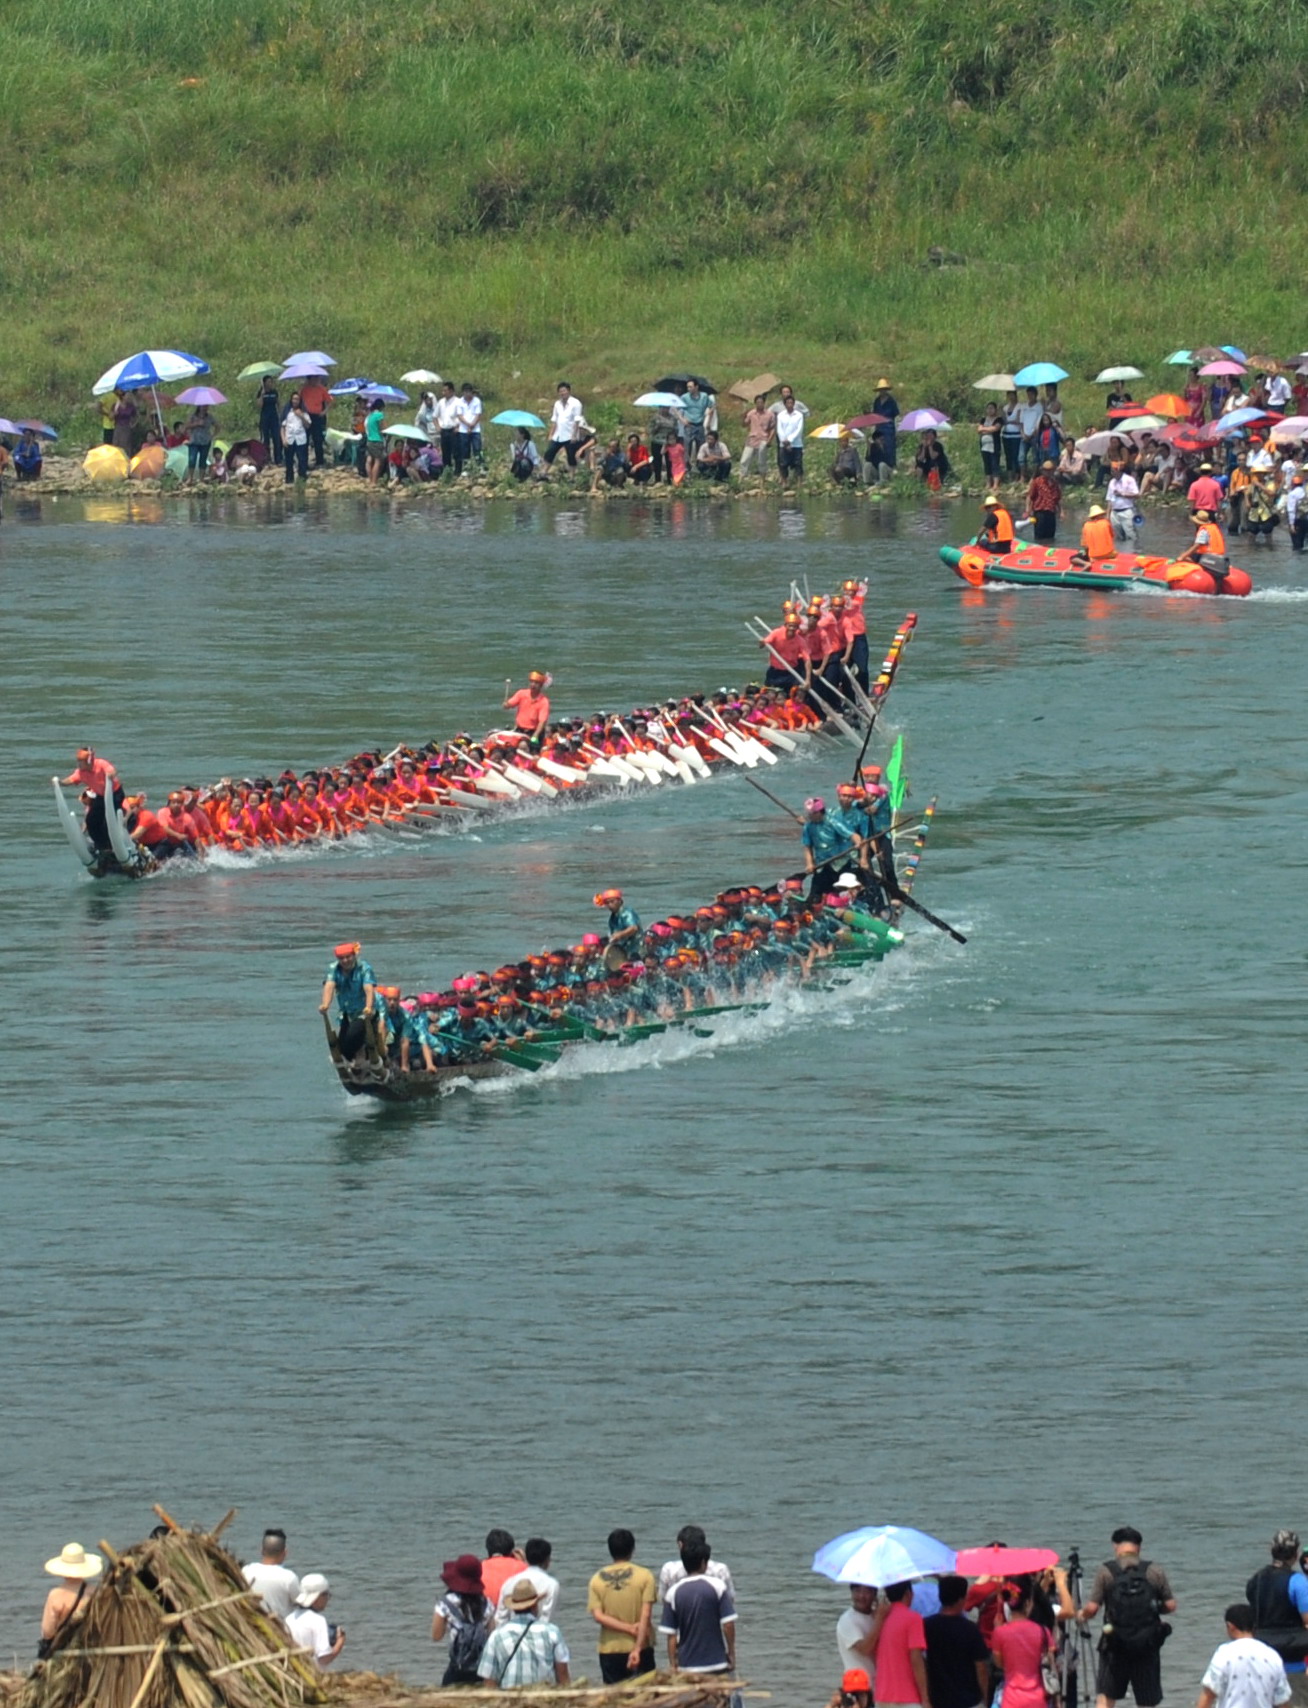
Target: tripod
[1076, 1656]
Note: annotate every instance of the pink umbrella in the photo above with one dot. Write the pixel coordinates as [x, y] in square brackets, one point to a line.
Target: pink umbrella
[201, 394]
[304, 371]
[918, 420]
[872, 420]
[1225, 366]
[1001, 1562]
[1292, 424]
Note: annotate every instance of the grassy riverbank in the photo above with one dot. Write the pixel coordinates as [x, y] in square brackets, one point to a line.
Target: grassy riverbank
[583, 187]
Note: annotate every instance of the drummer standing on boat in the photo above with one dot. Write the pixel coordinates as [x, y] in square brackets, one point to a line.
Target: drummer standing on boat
[353, 985]
[624, 929]
[530, 707]
[93, 776]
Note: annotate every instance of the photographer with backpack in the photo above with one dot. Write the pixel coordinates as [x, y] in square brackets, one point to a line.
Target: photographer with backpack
[1134, 1594]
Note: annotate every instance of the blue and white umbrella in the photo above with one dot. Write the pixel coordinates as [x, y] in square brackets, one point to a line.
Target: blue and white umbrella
[384, 393]
[881, 1554]
[1039, 373]
[350, 388]
[149, 368]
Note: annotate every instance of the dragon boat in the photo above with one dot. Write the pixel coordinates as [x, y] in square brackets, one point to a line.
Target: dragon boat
[458, 781]
[677, 987]
[1053, 566]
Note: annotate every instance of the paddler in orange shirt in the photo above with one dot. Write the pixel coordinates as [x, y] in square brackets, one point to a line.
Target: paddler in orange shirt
[1097, 542]
[997, 528]
[531, 708]
[855, 594]
[788, 644]
[92, 776]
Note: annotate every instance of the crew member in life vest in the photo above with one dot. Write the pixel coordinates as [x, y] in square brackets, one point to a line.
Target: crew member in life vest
[92, 777]
[1097, 542]
[1209, 548]
[997, 528]
[531, 708]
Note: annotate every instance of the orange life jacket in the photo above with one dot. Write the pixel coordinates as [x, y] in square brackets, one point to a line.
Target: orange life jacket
[1216, 546]
[1097, 538]
[1001, 528]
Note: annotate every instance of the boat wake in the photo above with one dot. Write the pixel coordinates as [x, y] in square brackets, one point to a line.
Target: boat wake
[1279, 595]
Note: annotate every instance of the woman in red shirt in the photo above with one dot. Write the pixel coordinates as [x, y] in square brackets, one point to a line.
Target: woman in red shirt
[1020, 1645]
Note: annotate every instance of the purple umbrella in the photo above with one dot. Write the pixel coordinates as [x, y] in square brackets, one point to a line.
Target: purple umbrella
[312, 356]
[384, 393]
[304, 371]
[918, 420]
[8, 426]
[201, 394]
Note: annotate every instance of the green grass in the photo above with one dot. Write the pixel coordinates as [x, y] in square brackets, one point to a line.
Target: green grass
[519, 191]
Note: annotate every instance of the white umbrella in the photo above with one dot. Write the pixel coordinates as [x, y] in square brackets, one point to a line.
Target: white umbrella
[1108, 375]
[994, 382]
[657, 400]
[420, 376]
[1140, 424]
[882, 1554]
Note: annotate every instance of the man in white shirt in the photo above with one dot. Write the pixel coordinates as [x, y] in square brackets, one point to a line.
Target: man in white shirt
[468, 417]
[1028, 416]
[1122, 493]
[276, 1583]
[565, 418]
[790, 417]
[308, 1626]
[854, 1629]
[539, 1554]
[447, 423]
[672, 1571]
[1243, 1672]
[1278, 393]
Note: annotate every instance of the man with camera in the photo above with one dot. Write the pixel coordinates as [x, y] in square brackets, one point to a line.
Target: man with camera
[1134, 1595]
[855, 1690]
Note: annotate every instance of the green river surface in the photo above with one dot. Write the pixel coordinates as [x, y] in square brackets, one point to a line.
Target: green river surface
[997, 1241]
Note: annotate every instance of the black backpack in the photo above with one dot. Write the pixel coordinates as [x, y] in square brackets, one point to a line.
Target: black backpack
[1131, 1616]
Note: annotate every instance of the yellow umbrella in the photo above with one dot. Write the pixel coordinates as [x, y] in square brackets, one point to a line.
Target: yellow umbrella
[105, 463]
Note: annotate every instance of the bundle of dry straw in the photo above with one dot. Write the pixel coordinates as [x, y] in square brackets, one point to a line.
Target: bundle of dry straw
[173, 1625]
[651, 1690]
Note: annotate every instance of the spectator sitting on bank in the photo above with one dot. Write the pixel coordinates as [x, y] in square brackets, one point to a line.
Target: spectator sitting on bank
[614, 467]
[307, 1625]
[525, 460]
[931, 462]
[713, 459]
[1072, 464]
[28, 456]
[638, 459]
[176, 435]
[847, 464]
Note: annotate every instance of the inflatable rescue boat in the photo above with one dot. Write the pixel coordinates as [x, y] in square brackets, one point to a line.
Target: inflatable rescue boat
[1052, 566]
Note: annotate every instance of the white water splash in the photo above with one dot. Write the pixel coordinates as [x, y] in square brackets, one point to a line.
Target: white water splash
[1278, 595]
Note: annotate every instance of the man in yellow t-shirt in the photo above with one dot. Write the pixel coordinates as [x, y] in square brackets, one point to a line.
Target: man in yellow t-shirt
[621, 1602]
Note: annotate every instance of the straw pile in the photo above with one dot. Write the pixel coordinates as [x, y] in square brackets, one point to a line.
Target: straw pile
[173, 1625]
[654, 1690]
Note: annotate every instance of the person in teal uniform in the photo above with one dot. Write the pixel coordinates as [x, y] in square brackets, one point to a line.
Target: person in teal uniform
[351, 983]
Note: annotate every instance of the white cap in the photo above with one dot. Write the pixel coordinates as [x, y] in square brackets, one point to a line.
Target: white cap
[312, 1586]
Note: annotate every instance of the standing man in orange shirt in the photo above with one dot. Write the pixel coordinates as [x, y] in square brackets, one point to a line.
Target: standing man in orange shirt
[317, 401]
[94, 777]
[531, 707]
[503, 1561]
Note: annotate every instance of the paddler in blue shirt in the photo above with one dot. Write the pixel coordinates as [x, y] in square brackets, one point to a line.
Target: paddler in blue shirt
[825, 841]
[353, 985]
[624, 928]
[470, 1036]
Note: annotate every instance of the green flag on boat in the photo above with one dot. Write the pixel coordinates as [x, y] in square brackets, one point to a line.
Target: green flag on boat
[895, 776]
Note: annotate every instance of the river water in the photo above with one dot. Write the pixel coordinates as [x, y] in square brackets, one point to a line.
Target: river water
[1001, 1241]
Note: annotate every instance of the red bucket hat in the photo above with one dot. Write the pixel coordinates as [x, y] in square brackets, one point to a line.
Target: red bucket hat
[463, 1575]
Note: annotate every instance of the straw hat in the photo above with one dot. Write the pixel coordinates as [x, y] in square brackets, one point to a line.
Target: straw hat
[524, 1593]
[75, 1562]
[883, 384]
[1096, 510]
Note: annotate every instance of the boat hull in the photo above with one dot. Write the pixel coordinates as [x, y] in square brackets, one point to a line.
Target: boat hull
[1051, 566]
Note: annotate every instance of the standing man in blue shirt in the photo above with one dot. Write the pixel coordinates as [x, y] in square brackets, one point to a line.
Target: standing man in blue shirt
[699, 412]
[352, 983]
[699, 1617]
[624, 929]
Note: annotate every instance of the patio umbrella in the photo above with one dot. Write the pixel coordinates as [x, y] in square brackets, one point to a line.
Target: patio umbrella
[420, 376]
[312, 356]
[1040, 373]
[148, 369]
[202, 394]
[881, 1554]
[870, 420]
[836, 430]
[1106, 376]
[1003, 1562]
[1141, 423]
[918, 420]
[402, 430]
[994, 382]
[1224, 366]
[658, 400]
[679, 382]
[259, 370]
[516, 418]
[1178, 359]
[1167, 403]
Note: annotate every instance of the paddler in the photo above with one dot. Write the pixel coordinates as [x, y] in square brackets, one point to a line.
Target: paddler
[92, 776]
[180, 833]
[353, 985]
[1097, 542]
[996, 528]
[624, 928]
[1209, 548]
[531, 708]
[469, 1036]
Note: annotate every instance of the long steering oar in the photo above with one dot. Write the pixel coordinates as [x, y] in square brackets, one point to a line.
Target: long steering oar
[897, 893]
[774, 800]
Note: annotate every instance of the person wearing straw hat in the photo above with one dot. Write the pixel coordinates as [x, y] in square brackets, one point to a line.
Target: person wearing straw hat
[66, 1602]
[526, 1649]
[1097, 542]
[884, 403]
[307, 1625]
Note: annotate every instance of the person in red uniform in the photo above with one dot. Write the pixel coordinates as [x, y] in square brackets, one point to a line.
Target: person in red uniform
[93, 776]
[531, 708]
[789, 645]
[178, 826]
[855, 622]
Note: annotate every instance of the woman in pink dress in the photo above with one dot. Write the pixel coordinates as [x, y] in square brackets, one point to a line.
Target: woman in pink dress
[1019, 1645]
[1194, 396]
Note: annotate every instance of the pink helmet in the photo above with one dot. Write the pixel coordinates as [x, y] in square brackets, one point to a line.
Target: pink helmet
[815, 803]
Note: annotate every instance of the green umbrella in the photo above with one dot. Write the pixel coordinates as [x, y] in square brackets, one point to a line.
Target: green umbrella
[175, 462]
[257, 370]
